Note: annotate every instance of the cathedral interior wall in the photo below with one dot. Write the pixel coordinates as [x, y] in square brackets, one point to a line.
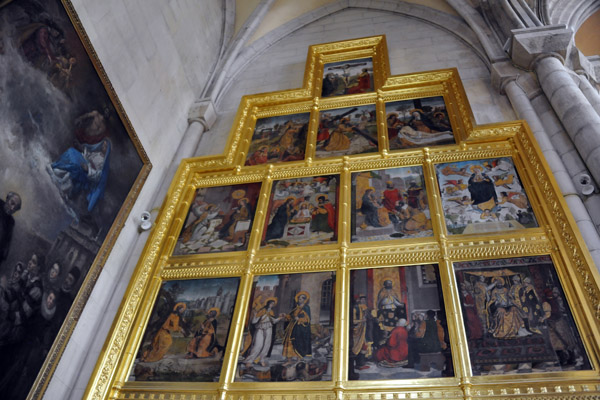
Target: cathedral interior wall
[159, 56]
[414, 45]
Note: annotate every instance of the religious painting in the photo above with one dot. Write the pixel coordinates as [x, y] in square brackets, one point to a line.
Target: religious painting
[302, 212]
[398, 328]
[480, 196]
[389, 204]
[69, 165]
[347, 77]
[345, 131]
[219, 219]
[186, 335]
[278, 139]
[517, 317]
[288, 333]
[420, 122]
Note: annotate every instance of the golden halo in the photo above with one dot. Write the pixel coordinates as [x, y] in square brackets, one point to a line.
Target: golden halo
[324, 196]
[302, 292]
[179, 305]
[271, 299]
[215, 309]
[238, 194]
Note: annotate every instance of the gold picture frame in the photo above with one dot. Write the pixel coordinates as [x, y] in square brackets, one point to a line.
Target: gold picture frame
[555, 236]
[66, 64]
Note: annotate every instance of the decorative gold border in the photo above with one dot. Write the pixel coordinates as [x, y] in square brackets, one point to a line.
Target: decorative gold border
[56, 351]
[556, 236]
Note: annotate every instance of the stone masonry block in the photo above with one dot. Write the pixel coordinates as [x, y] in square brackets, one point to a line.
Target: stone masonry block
[529, 43]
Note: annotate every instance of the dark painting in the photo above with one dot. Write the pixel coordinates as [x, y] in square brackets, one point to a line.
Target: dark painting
[302, 212]
[345, 131]
[481, 196]
[347, 77]
[277, 139]
[288, 335]
[220, 219]
[398, 326]
[418, 123]
[390, 204]
[67, 165]
[186, 335]
[517, 317]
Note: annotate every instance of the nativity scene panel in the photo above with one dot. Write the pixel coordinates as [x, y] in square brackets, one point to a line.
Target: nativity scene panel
[481, 196]
[288, 334]
[398, 328]
[186, 335]
[517, 317]
[390, 204]
[302, 212]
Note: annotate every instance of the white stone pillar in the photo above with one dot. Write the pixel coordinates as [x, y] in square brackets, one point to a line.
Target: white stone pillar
[524, 109]
[201, 118]
[588, 90]
[575, 112]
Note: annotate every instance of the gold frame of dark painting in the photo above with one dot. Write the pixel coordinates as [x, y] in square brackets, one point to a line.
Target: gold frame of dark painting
[557, 235]
[60, 342]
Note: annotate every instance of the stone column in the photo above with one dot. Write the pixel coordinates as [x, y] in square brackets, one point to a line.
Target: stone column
[588, 90]
[543, 50]
[505, 79]
[201, 118]
[577, 115]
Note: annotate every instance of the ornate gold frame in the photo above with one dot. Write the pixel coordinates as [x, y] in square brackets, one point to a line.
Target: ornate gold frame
[557, 236]
[60, 343]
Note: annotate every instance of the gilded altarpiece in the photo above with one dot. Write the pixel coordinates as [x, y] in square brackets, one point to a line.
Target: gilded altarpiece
[387, 248]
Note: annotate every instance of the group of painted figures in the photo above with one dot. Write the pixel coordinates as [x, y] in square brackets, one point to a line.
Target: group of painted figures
[203, 343]
[296, 338]
[302, 202]
[508, 306]
[33, 305]
[406, 210]
[384, 335]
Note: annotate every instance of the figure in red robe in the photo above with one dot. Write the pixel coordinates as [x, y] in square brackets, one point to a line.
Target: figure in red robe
[395, 349]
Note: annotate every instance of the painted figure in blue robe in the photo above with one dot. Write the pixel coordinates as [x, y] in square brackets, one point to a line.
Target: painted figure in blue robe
[76, 172]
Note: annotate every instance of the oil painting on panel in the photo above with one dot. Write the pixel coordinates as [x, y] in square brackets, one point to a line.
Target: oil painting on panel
[347, 77]
[302, 212]
[67, 166]
[186, 335]
[398, 327]
[418, 123]
[277, 139]
[345, 131]
[220, 219]
[481, 196]
[517, 317]
[288, 334]
[389, 204]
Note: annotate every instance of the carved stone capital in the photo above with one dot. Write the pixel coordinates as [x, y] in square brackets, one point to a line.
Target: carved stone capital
[203, 111]
[594, 70]
[530, 44]
[502, 73]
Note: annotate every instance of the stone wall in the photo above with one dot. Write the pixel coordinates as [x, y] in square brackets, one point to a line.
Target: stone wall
[414, 45]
